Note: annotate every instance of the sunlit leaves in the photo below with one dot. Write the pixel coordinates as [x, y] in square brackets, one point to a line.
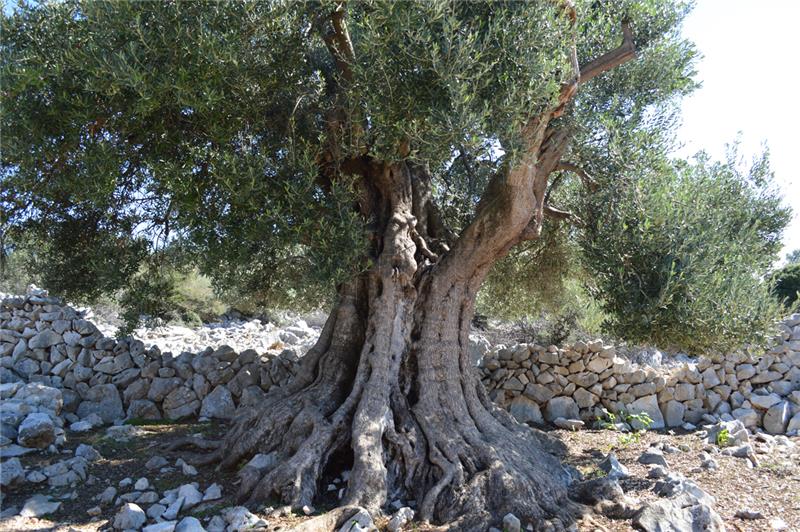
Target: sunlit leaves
[678, 255]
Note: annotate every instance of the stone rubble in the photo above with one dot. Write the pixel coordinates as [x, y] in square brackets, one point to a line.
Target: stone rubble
[58, 370]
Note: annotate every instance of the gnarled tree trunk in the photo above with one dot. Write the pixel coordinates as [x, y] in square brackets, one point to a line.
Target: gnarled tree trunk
[390, 385]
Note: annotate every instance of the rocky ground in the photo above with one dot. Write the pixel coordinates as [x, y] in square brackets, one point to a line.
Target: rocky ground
[130, 479]
[725, 454]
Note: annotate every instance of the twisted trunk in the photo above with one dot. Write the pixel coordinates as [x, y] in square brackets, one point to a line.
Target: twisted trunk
[389, 391]
[390, 387]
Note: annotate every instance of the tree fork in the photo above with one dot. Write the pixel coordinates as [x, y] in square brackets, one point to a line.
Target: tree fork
[390, 377]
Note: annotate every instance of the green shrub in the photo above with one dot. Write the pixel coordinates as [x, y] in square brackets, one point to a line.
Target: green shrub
[786, 285]
[679, 255]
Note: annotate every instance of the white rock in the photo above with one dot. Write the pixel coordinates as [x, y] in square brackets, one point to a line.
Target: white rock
[213, 492]
[649, 405]
[87, 452]
[653, 456]
[189, 524]
[217, 524]
[218, 404]
[764, 402]
[239, 518]
[107, 496]
[524, 410]
[130, 517]
[360, 521]
[562, 406]
[191, 496]
[11, 473]
[568, 424]
[776, 418]
[164, 526]
[613, 468]
[511, 523]
[39, 505]
[173, 509]
[401, 518]
[37, 431]
[81, 426]
[156, 510]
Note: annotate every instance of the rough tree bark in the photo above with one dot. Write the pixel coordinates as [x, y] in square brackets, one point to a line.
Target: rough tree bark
[389, 391]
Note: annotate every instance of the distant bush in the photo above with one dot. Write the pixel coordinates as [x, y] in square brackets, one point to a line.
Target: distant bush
[679, 256]
[168, 294]
[786, 285]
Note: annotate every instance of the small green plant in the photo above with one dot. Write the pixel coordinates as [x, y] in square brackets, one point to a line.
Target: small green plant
[642, 419]
[630, 438]
[607, 421]
[592, 472]
[723, 438]
[638, 422]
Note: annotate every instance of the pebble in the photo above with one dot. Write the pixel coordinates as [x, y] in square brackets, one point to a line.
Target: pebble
[653, 456]
[155, 462]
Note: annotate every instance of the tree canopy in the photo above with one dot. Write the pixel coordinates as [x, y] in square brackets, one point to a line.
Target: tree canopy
[134, 126]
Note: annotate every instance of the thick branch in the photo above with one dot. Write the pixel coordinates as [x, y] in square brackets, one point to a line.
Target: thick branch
[556, 214]
[622, 54]
[338, 42]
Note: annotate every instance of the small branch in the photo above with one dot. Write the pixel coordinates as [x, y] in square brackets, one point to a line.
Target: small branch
[586, 179]
[422, 247]
[552, 187]
[622, 54]
[556, 214]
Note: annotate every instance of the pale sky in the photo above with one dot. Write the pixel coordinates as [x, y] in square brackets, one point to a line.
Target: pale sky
[749, 71]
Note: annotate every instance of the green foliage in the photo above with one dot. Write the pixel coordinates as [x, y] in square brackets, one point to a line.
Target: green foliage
[723, 438]
[678, 253]
[793, 257]
[165, 291]
[532, 277]
[786, 285]
[132, 127]
[611, 421]
[15, 272]
[608, 421]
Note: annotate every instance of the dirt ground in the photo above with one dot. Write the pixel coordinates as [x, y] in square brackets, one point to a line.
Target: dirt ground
[772, 488]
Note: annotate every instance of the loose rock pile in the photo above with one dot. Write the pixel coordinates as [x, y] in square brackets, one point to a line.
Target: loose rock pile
[585, 381]
[57, 370]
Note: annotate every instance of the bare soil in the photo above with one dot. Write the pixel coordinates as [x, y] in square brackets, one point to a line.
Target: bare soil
[772, 488]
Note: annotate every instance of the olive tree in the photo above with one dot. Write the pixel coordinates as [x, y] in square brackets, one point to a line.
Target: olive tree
[394, 150]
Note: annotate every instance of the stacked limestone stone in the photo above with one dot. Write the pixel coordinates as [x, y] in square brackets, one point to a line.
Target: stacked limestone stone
[584, 381]
[102, 380]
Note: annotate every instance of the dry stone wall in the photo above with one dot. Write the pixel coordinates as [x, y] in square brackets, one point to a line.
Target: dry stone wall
[50, 354]
[584, 381]
[58, 371]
